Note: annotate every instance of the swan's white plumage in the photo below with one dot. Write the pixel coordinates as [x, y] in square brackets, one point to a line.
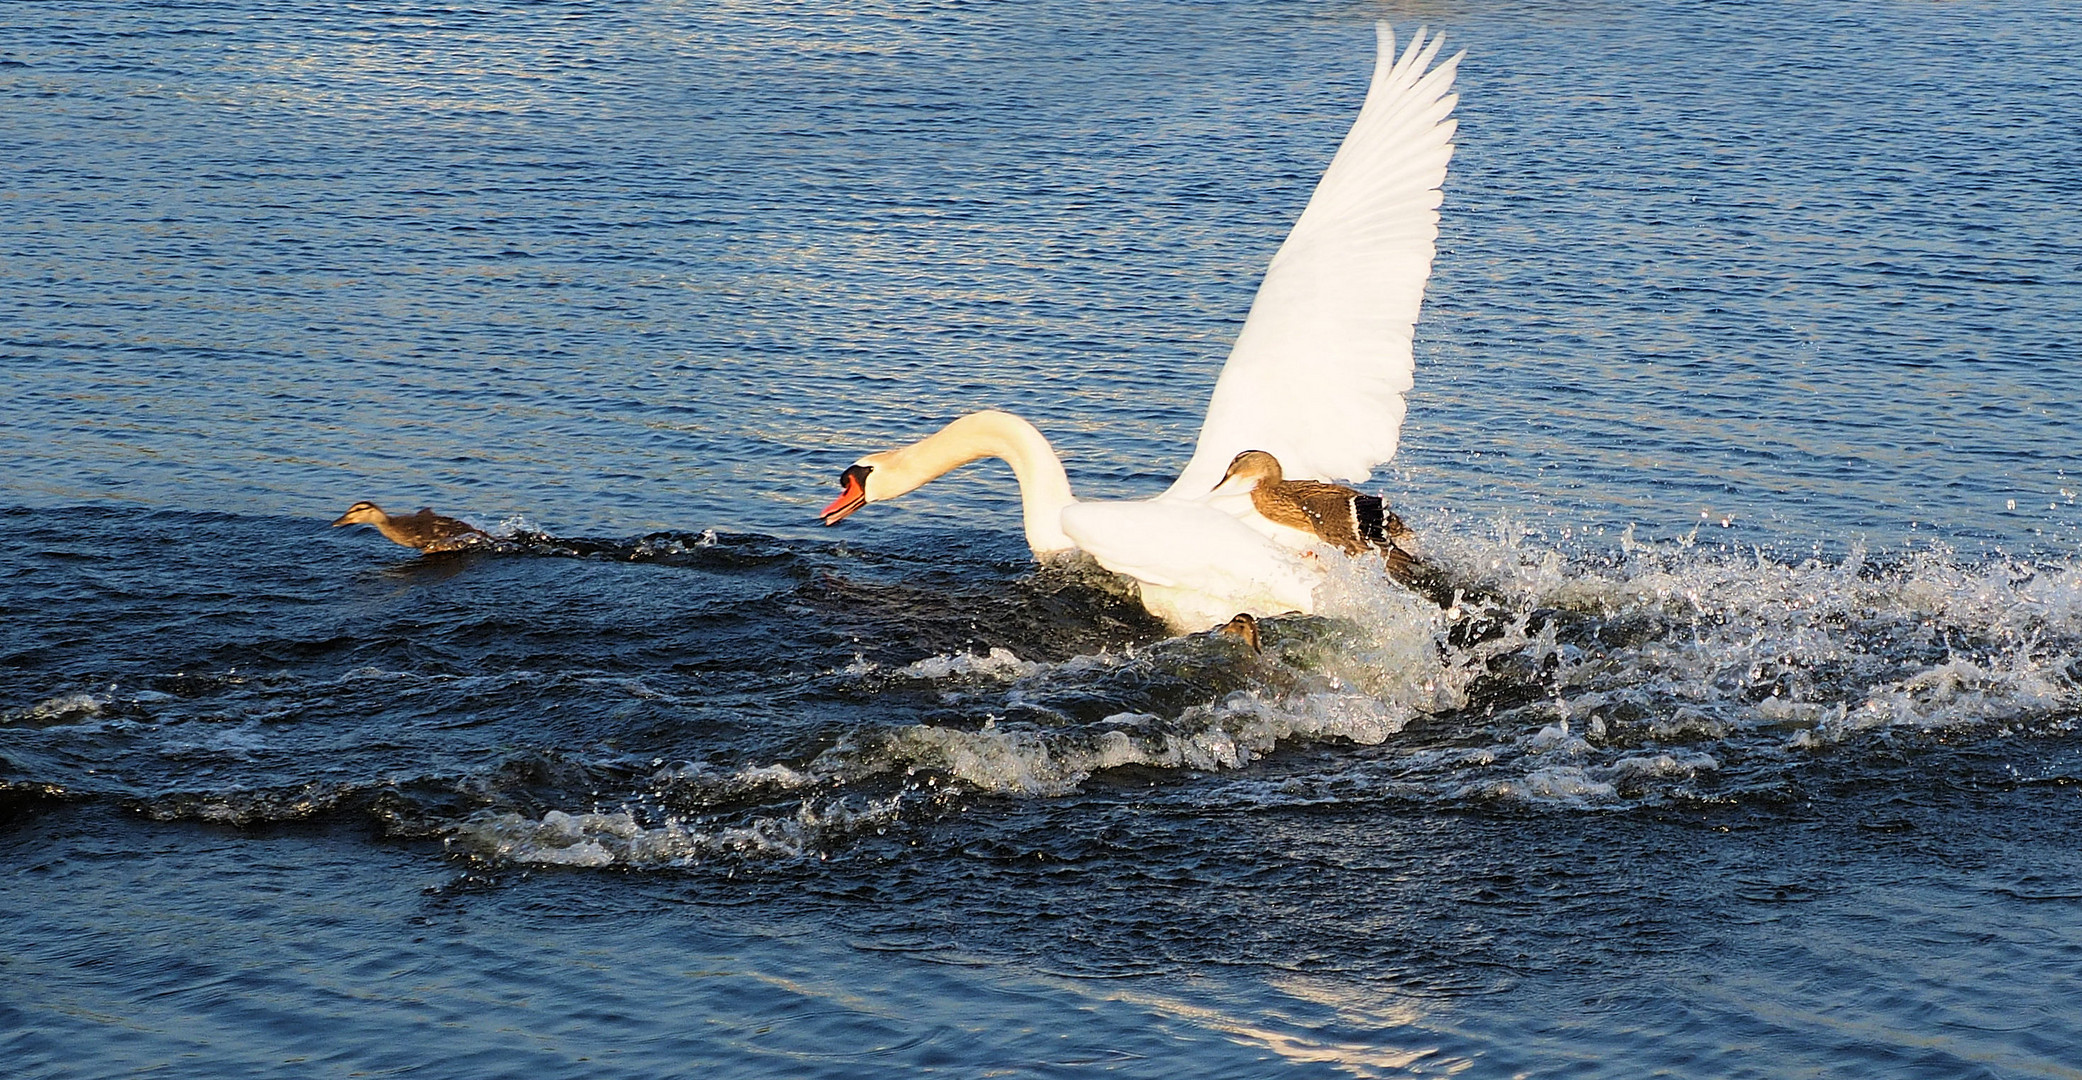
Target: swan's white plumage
[1319, 373]
[1197, 565]
[1316, 378]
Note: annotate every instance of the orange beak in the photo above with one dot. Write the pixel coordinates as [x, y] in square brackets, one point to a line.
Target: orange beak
[852, 495]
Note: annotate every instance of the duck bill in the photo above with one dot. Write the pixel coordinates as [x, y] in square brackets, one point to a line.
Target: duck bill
[345, 519]
[852, 496]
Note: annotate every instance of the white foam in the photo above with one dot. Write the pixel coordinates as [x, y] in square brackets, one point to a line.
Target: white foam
[994, 759]
[1568, 784]
[515, 525]
[1958, 692]
[619, 838]
[65, 708]
[1745, 642]
[1026, 759]
[1587, 785]
[714, 781]
[999, 663]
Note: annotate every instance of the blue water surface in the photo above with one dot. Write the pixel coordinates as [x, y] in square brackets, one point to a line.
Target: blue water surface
[1745, 394]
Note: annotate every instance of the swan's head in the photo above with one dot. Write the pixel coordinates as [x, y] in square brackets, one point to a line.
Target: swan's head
[853, 492]
[1251, 467]
[886, 475]
[874, 478]
[361, 513]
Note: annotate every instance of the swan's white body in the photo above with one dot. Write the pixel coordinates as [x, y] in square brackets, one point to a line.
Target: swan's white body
[1317, 378]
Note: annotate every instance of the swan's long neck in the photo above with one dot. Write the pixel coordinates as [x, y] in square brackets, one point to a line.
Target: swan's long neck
[1044, 489]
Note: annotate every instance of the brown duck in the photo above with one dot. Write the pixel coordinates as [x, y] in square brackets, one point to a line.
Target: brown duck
[426, 530]
[1333, 514]
[1243, 627]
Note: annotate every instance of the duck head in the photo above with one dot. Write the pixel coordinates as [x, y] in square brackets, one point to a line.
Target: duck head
[1243, 627]
[361, 513]
[1250, 468]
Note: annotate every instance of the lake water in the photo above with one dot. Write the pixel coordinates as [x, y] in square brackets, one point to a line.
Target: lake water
[1746, 387]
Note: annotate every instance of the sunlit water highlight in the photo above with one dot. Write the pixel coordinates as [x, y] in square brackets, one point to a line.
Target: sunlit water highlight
[1743, 422]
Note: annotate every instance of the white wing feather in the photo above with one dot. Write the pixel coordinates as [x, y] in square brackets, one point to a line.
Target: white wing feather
[1318, 375]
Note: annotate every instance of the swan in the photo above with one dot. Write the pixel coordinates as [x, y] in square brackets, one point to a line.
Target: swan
[1316, 381]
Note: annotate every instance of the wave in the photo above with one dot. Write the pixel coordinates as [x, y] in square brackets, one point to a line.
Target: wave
[1653, 677]
[1656, 675]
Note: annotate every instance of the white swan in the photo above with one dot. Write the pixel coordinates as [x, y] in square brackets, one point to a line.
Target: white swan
[1316, 378]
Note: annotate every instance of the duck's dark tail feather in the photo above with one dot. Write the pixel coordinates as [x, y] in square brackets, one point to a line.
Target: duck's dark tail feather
[1371, 515]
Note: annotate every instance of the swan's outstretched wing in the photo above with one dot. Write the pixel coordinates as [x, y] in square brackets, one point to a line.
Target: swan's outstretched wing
[1318, 374]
